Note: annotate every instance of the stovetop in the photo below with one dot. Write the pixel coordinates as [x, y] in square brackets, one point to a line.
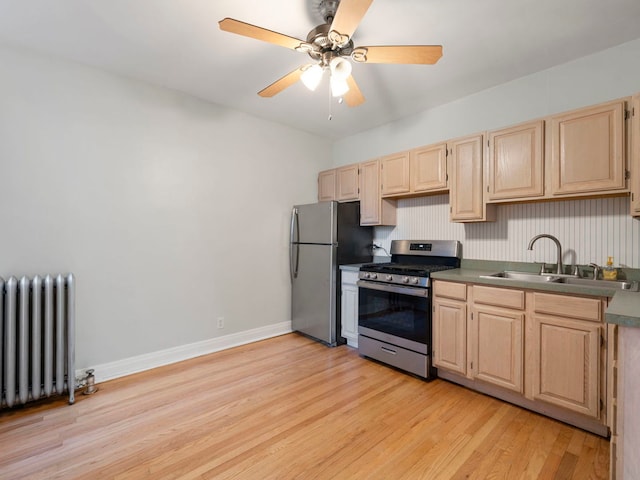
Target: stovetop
[404, 269]
[412, 262]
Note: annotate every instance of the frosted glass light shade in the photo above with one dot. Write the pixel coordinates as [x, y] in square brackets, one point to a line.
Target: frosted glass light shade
[340, 68]
[339, 86]
[311, 77]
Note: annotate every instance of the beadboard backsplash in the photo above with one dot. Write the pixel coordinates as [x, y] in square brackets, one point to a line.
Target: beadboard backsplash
[589, 230]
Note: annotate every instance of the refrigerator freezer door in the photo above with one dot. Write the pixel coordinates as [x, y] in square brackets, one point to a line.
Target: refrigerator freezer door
[314, 223]
[313, 295]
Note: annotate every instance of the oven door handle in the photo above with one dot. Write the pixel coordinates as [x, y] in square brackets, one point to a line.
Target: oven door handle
[385, 287]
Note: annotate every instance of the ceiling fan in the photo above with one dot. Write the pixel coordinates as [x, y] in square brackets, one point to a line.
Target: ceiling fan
[330, 45]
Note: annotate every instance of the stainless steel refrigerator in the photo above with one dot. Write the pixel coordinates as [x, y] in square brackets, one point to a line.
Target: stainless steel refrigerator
[323, 236]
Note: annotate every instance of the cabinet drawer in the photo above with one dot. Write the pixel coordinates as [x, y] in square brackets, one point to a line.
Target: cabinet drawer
[457, 291]
[500, 297]
[568, 306]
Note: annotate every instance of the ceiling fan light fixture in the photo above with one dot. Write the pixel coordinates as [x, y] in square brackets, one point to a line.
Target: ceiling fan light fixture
[340, 68]
[312, 76]
[339, 86]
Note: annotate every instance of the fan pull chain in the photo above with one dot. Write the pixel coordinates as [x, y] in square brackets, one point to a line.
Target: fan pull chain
[330, 105]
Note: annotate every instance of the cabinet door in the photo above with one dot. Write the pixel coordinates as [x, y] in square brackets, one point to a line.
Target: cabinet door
[450, 335]
[347, 187]
[327, 186]
[374, 210]
[370, 193]
[349, 308]
[428, 168]
[566, 363]
[516, 162]
[587, 150]
[466, 196]
[394, 174]
[498, 350]
[635, 156]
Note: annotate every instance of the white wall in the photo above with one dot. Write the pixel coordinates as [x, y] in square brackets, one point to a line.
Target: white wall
[170, 211]
[590, 230]
[607, 75]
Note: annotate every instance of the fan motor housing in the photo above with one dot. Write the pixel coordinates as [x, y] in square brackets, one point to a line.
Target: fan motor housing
[318, 38]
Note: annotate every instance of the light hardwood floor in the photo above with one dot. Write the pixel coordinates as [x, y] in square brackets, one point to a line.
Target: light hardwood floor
[286, 408]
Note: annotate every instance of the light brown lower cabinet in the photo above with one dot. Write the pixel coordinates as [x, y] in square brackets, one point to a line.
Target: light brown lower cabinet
[566, 356]
[566, 343]
[543, 351]
[498, 342]
[450, 326]
[450, 335]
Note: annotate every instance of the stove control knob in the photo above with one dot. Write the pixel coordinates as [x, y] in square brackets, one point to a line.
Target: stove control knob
[414, 280]
[389, 278]
[373, 276]
[365, 275]
[405, 279]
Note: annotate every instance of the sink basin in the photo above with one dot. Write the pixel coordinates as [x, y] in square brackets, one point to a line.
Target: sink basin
[566, 279]
[588, 282]
[524, 276]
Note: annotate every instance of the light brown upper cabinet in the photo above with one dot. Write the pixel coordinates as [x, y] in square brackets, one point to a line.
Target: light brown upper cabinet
[466, 195]
[428, 168]
[635, 155]
[327, 185]
[374, 210]
[347, 185]
[516, 162]
[419, 171]
[394, 174]
[588, 150]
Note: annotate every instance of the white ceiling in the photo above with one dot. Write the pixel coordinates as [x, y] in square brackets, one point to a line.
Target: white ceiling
[177, 44]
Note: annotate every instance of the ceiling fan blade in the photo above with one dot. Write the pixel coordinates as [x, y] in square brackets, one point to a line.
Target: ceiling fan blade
[282, 83]
[409, 54]
[349, 15]
[259, 33]
[354, 96]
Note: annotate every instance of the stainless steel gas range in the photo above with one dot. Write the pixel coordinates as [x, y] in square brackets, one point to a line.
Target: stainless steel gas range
[394, 306]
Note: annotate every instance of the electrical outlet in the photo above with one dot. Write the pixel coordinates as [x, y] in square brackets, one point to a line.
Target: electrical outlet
[220, 322]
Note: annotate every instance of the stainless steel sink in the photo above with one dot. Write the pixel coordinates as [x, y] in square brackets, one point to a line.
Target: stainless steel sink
[588, 282]
[523, 276]
[566, 279]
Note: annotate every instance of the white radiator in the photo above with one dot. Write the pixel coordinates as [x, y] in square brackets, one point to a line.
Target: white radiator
[37, 338]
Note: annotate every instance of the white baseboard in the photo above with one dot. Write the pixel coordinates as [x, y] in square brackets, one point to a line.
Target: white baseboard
[127, 366]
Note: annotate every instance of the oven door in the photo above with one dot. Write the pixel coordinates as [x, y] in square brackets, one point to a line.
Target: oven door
[395, 314]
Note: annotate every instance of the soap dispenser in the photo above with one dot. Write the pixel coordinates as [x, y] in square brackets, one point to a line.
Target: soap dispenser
[609, 272]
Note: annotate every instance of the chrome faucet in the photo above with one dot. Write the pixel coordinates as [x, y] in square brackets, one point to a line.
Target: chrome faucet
[559, 267]
[596, 270]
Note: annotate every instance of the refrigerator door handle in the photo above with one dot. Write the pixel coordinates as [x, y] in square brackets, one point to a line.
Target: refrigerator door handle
[294, 258]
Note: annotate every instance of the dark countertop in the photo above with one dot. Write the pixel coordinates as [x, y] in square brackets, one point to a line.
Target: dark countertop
[623, 309]
[475, 276]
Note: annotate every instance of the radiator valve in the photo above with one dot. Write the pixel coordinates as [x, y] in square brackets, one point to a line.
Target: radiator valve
[90, 381]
